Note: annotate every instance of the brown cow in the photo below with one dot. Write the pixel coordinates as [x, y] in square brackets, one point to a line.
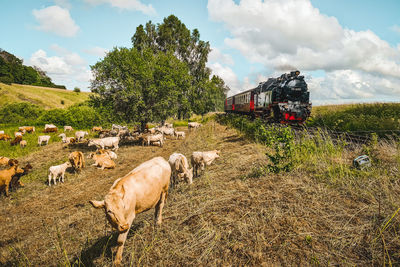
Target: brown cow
[6, 176]
[5, 137]
[29, 129]
[16, 140]
[143, 188]
[15, 180]
[4, 161]
[102, 160]
[97, 129]
[77, 160]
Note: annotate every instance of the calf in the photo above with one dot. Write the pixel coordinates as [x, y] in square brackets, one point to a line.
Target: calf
[80, 135]
[193, 125]
[68, 128]
[202, 159]
[6, 177]
[110, 153]
[58, 170]
[23, 143]
[77, 160]
[143, 188]
[43, 139]
[180, 134]
[97, 129]
[102, 160]
[180, 169]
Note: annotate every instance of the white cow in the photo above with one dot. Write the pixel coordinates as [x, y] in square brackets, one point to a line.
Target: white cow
[68, 128]
[202, 159]
[58, 170]
[155, 138]
[80, 135]
[180, 169]
[179, 134]
[193, 125]
[105, 142]
[43, 138]
[1, 132]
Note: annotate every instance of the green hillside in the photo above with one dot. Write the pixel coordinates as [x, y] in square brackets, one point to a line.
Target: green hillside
[45, 97]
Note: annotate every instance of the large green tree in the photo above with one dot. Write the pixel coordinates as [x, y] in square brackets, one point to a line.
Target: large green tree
[138, 86]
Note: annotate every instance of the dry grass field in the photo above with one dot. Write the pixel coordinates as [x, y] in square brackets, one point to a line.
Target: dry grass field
[45, 97]
[227, 217]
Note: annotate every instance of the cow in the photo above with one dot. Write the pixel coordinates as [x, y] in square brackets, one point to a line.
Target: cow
[2, 132]
[179, 134]
[5, 137]
[155, 138]
[110, 153]
[102, 160]
[180, 169]
[97, 129]
[58, 170]
[18, 134]
[16, 140]
[77, 160]
[202, 159]
[80, 135]
[15, 180]
[28, 129]
[43, 138]
[4, 161]
[193, 125]
[143, 188]
[6, 177]
[50, 128]
[105, 142]
[68, 128]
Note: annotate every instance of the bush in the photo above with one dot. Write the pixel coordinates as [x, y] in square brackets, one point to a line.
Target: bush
[22, 113]
[77, 90]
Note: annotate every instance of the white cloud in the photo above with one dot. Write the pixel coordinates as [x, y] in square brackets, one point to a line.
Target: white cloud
[217, 56]
[126, 4]
[395, 28]
[227, 74]
[96, 51]
[56, 20]
[66, 68]
[63, 3]
[292, 34]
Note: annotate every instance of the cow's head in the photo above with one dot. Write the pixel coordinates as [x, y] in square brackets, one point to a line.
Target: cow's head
[115, 211]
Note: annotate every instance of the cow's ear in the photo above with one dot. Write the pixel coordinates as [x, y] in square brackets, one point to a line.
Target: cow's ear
[97, 204]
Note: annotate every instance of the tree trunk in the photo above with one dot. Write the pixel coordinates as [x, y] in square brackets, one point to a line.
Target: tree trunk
[143, 126]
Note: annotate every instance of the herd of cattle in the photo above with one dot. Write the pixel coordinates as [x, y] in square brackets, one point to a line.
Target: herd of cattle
[143, 188]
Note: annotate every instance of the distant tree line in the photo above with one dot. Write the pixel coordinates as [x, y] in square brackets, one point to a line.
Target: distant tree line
[12, 70]
[163, 74]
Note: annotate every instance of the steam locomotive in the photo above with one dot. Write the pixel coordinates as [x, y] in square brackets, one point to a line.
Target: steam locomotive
[285, 99]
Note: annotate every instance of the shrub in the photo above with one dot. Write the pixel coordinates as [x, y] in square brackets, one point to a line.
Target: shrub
[22, 113]
[77, 90]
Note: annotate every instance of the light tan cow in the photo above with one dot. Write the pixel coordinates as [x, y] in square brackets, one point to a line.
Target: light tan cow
[4, 161]
[6, 177]
[77, 160]
[180, 169]
[202, 159]
[143, 188]
[193, 125]
[102, 160]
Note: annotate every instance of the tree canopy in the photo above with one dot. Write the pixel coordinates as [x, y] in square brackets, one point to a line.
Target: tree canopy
[164, 74]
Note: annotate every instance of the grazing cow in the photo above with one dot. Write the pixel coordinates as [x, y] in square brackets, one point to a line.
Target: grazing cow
[23, 143]
[102, 160]
[6, 177]
[180, 134]
[143, 188]
[193, 125]
[105, 142]
[180, 169]
[4, 161]
[97, 129]
[110, 153]
[15, 180]
[152, 130]
[43, 138]
[80, 135]
[18, 134]
[58, 170]
[118, 127]
[5, 137]
[1, 132]
[28, 129]
[16, 140]
[202, 159]
[68, 128]
[168, 125]
[123, 133]
[50, 128]
[155, 138]
[77, 160]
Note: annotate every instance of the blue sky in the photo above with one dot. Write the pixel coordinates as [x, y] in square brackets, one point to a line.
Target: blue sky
[349, 51]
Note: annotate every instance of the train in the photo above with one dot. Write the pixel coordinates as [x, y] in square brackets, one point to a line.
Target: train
[285, 99]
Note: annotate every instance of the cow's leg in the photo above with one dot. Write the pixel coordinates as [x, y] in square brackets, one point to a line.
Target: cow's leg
[7, 188]
[62, 176]
[159, 207]
[49, 179]
[121, 241]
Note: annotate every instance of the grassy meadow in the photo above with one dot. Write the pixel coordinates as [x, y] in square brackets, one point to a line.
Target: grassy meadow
[48, 98]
